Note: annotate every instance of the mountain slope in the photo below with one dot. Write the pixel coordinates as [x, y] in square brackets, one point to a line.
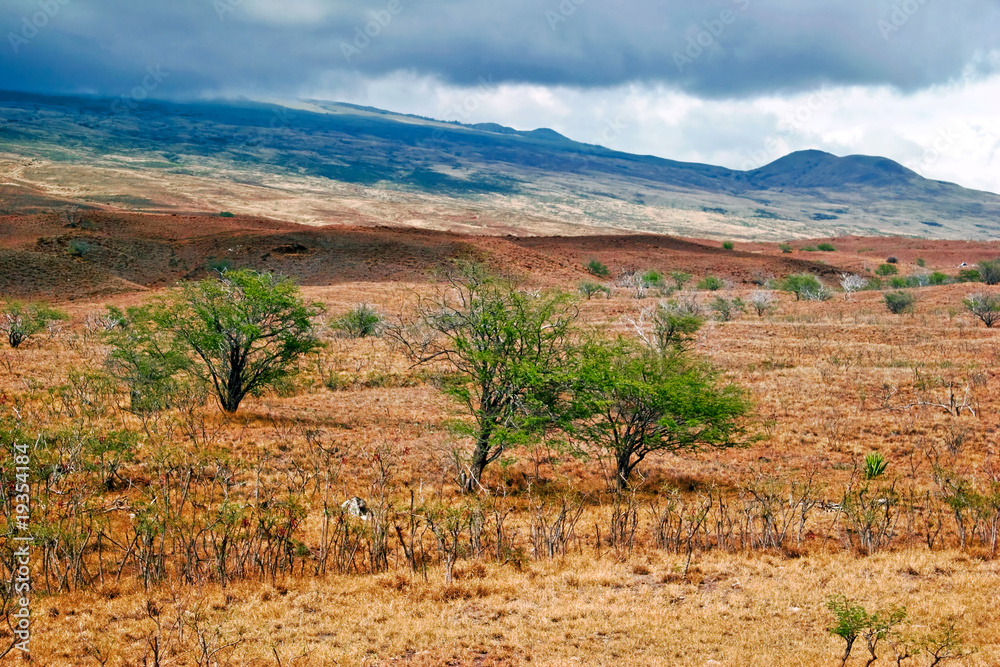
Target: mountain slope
[322, 162]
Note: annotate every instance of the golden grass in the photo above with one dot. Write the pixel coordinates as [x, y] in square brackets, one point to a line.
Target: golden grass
[832, 380]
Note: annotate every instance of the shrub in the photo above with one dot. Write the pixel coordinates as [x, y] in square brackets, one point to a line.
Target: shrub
[728, 245]
[921, 262]
[589, 290]
[805, 286]
[711, 283]
[899, 302]
[875, 465]
[680, 278]
[726, 309]
[989, 271]
[984, 306]
[761, 302]
[898, 282]
[808, 248]
[827, 247]
[852, 283]
[20, 321]
[785, 247]
[891, 260]
[968, 276]
[79, 248]
[226, 214]
[937, 278]
[886, 270]
[652, 279]
[596, 268]
[361, 321]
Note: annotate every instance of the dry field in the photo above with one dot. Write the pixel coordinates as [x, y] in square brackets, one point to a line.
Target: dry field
[622, 580]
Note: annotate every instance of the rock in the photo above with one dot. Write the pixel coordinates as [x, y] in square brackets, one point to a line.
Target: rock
[356, 507]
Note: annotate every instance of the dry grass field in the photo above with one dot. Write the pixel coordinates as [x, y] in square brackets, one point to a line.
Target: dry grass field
[552, 568]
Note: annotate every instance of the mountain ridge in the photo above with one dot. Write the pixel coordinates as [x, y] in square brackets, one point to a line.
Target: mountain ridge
[328, 160]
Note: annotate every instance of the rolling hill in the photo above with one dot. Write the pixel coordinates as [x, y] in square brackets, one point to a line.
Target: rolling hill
[320, 162]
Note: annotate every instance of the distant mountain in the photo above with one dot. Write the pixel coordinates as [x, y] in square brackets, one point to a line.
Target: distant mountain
[318, 162]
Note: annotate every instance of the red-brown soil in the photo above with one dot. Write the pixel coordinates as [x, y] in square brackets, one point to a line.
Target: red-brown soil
[99, 253]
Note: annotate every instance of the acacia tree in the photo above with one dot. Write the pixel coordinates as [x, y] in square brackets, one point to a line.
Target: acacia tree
[246, 328]
[985, 306]
[633, 401]
[506, 349]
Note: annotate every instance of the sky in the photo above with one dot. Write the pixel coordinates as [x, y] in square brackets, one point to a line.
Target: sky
[737, 83]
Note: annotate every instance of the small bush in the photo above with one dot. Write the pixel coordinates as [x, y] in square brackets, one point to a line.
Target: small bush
[969, 276]
[761, 302]
[937, 278]
[727, 309]
[921, 262]
[728, 245]
[711, 283]
[989, 271]
[652, 279]
[596, 268]
[226, 214]
[79, 248]
[361, 321]
[984, 306]
[886, 270]
[805, 286]
[899, 282]
[892, 260]
[19, 321]
[875, 465]
[827, 247]
[899, 302]
[680, 278]
[785, 247]
[590, 290]
[808, 248]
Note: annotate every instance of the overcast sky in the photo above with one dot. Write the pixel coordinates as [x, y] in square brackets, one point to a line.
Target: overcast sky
[731, 82]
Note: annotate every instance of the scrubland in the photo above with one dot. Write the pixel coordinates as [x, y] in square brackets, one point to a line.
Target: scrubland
[199, 538]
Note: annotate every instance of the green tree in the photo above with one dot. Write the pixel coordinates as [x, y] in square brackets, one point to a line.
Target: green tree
[985, 306]
[247, 330]
[632, 401]
[711, 283]
[680, 278]
[804, 286]
[144, 358]
[507, 350]
[19, 321]
[597, 268]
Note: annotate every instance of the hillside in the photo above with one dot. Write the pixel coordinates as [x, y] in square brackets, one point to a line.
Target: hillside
[323, 163]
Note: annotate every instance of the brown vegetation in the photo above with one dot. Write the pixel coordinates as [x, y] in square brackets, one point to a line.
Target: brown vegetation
[726, 557]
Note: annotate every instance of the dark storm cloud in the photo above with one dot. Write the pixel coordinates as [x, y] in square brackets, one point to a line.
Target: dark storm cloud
[712, 48]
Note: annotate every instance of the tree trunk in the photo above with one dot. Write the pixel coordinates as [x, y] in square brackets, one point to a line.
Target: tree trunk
[480, 459]
[624, 470]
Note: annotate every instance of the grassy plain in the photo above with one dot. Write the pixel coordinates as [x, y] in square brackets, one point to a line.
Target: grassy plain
[832, 380]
